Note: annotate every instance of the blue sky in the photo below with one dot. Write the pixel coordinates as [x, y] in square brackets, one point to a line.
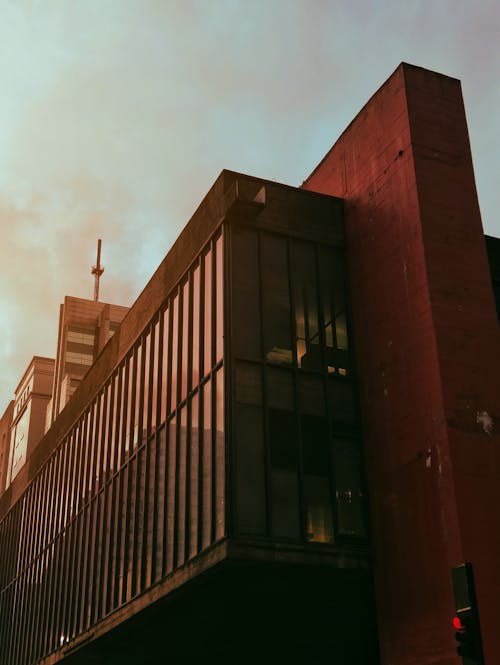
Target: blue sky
[117, 115]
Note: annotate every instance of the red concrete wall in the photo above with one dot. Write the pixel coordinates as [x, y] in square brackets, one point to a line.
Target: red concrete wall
[428, 352]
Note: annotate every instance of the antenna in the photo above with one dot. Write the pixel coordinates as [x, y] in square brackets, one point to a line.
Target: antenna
[97, 271]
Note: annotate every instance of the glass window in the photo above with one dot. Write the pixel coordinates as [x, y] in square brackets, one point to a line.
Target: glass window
[250, 470]
[245, 288]
[219, 291]
[196, 326]
[207, 466]
[171, 493]
[316, 465]
[284, 466]
[165, 365]
[348, 488]
[306, 308]
[194, 476]
[248, 382]
[276, 300]
[207, 312]
[181, 488]
[137, 415]
[154, 387]
[145, 399]
[220, 455]
[175, 353]
[185, 340]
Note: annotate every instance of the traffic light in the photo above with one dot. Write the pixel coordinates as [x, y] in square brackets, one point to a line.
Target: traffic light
[467, 636]
[466, 620]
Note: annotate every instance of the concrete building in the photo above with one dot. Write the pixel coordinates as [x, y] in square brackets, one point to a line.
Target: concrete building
[28, 414]
[5, 423]
[85, 326]
[293, 436]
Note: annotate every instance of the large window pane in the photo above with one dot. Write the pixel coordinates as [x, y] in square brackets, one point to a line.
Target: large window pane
[308, 347]
[220, 454]
[276, 300]
[245, 289]
[348, 487]
[194, 476]
[206, 532]
[207, 313]
[175, 353]
[219, 302]
[196, 327]
[250, 470]
[185, 340]
[165, 374]
[284, 462]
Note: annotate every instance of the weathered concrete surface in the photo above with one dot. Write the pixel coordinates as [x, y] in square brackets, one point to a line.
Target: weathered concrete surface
[428, 352]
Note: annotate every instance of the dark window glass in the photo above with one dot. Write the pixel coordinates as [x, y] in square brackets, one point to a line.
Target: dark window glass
[332, 275]
[245, 308]
[196, 326]
[185, 340]
[306, 307]
[175, 353]
[155, 384]
[276, 300]
[220, 454]
[137, 415]
[165, 366]
[207, 313]
[181, 488]
[341, 402]
[316, 465]
[250, 470]
[219, 295]
[248, 383]
[207, 466]
[284, 459]
[348, 488]
[130, 402]
[171, 492]
[194, 476]
[145, 399]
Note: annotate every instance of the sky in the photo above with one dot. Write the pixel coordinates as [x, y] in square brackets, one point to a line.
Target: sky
[116, 116]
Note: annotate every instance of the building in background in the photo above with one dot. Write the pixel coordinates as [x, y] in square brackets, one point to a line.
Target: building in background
[293, 436]
[85, 326]
[28, 415]
[5, 423]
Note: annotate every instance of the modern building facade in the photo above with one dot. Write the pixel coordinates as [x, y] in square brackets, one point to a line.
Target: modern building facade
[5, 424]
[27, 424]
[288, 441]
[85, 326]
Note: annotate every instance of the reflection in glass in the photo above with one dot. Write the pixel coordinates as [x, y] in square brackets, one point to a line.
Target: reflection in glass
[154, 387]
[219, 455]
[348, 487]
[196, 327]
[219, 295]
[318, 501]
[181, 489]
[165, 366]
[207, 312]
[175, 353]
[194, 476]
[137, 415]
[306, 307]
[145, 398]
[206, 530]
[185, 338]
[172, 431]
[276, 300]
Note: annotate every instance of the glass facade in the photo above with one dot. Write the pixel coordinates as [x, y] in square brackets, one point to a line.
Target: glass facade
[195, 436]
[296, 441]
[137, 487]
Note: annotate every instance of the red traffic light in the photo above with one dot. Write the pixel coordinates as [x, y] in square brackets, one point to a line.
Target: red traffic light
[457, 624]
